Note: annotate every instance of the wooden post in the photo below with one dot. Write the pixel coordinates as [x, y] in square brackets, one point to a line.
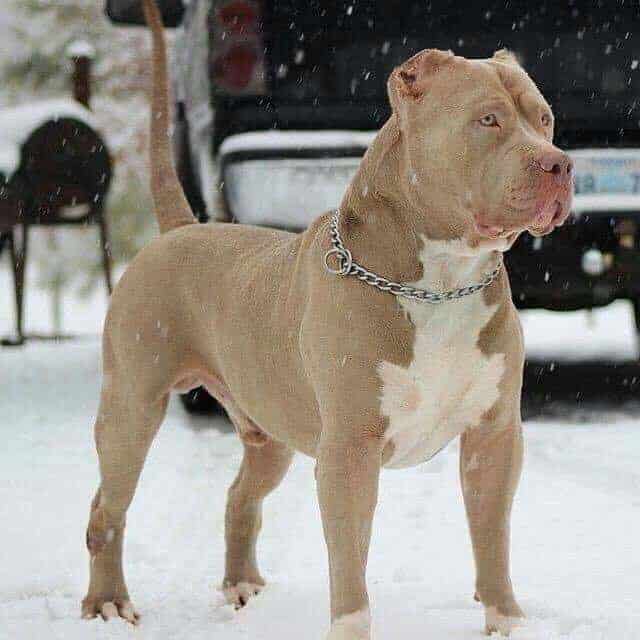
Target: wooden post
[81, 54]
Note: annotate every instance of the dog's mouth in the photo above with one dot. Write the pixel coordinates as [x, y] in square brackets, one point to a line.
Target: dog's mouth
[496, 232]
[549, 218]
[492, 232]
[495, 238]
[544, 221]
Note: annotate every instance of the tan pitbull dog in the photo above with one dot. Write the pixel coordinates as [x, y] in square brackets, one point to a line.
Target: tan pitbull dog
[327, 365]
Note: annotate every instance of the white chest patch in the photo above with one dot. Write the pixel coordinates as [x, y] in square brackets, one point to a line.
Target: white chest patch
[450, 383]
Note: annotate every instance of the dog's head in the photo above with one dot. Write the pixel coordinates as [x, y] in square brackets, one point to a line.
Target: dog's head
[477, 136]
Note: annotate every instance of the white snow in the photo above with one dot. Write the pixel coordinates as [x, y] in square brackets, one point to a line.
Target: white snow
[330, 139]
[81, 49]
[18, 123]
[607, 333]
[576, 522]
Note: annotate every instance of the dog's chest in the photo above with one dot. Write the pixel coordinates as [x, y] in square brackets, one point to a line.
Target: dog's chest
[448, 385]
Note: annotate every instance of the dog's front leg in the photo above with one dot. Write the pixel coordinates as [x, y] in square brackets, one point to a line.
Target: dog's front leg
[490, 464]
[347, 474]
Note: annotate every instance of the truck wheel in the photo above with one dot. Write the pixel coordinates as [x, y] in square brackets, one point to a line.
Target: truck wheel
[198, 401]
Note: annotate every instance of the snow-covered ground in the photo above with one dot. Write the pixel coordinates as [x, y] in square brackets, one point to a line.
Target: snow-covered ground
[576, 523]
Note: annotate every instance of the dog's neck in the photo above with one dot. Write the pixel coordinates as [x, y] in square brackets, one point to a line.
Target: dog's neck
[390, 234]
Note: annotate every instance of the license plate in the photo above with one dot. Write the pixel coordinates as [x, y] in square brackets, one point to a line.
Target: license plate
[607, 171]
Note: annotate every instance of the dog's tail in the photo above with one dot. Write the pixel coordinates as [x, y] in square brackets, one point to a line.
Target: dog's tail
[171, 206]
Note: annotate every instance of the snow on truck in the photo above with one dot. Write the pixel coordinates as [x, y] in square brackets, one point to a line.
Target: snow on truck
[277, 100]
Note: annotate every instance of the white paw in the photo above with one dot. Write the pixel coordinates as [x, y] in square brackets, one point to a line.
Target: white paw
[496, 622]
[239, 594]
[109, 609]
[353, 626]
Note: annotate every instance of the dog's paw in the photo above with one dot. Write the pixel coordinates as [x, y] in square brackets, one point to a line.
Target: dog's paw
[496, 622]
[353, 626]
[239, 594]
[107, 609]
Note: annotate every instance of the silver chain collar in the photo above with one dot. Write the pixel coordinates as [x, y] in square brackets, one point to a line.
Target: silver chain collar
[349, 267]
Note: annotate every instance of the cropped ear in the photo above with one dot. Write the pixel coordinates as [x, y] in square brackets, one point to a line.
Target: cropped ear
[506, 57]
[410, 81]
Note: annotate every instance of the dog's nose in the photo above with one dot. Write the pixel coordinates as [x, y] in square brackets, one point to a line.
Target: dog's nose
[556, 163]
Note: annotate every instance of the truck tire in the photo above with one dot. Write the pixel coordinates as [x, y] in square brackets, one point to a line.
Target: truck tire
[199, 402]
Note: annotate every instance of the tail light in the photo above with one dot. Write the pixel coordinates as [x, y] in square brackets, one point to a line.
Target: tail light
[238, 17]
[235, 69]
[237, 51]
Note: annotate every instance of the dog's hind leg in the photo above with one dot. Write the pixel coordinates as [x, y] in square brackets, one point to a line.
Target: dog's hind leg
[262, 470]
[124, 430]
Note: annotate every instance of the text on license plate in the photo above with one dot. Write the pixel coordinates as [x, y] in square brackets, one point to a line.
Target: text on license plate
[607, 173]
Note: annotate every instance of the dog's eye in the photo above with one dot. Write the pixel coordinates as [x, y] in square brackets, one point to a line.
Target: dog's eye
[546, 119]
[489, 120]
